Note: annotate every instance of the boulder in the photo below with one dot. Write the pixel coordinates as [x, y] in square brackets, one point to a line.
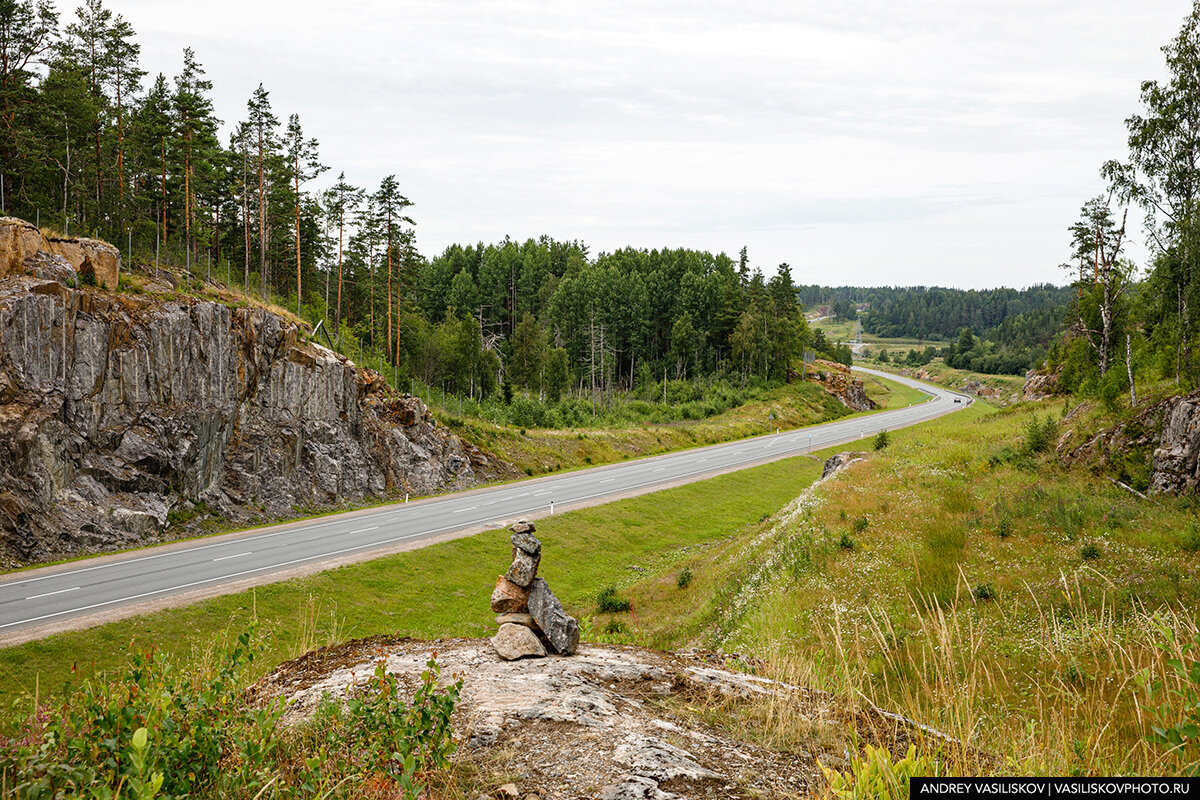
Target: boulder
[514, 618]
[99, 258]
[561, 629]
[18, 241]
[516, 641]
[522, 526]
[52, 268]
[526, 555]
[836, 463]
[508, 597]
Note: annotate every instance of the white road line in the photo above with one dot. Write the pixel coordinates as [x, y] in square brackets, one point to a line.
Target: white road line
[607, 480]
[236, 555]
[363, 530]
[461, 510]
[60, 591]
[543, 491]
[660, 469]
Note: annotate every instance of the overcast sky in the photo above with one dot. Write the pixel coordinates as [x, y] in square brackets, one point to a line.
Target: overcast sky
[866, 142]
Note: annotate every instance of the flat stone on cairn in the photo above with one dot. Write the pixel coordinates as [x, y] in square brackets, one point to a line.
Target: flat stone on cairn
[528, 612]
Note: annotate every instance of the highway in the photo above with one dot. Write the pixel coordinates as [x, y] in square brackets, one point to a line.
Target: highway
[36, 603]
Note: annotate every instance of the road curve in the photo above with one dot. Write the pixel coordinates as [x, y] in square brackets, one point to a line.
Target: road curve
[36, 603]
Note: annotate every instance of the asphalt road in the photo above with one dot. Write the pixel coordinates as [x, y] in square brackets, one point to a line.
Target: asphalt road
[35, 603]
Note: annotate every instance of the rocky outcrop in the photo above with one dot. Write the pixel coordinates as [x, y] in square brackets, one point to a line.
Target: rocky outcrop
[838, 381]
[836, 463]
[611, 722]
[1176, 465]
[21, 243]
[1039, 385]
[117, 410]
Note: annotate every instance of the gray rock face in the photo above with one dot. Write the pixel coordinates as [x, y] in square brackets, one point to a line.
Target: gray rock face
[527, 554]
[516, 641]
[561, 629]
[52, 268]
[112, 402]
[1176, 466]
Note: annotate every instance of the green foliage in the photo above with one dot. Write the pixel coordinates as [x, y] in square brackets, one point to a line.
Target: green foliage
[882, 440]
[1039, 434]
[614, 626]
[983, 592]
[685, 578]
[1189, 537]
[861, 524]
[158, 731]
[609, 603]
[874, 776]
[846, 542]
[1090, 551]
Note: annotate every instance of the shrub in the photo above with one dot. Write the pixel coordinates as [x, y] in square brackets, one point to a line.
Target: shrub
[1039, 434]
[614, 626]
[1177, 717]
[860, 524]
[1090, 551]
[882, 440]
[983, 592]
[846, 542]
[610, 603]
[685, 577]
[1004, 526]
[1189, 538]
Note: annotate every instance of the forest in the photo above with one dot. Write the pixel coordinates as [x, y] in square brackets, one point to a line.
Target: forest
[93, 145]
[991, 330]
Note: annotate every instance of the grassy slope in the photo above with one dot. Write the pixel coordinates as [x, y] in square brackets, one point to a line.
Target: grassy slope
[1012, 604]
[786, 407]
[437, 591]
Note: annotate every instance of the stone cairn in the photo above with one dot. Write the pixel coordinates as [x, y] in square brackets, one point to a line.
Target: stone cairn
[531, 619]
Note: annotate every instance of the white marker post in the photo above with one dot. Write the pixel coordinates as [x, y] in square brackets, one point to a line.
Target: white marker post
[552, 508]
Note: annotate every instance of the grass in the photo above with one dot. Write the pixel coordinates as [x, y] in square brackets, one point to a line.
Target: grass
[1018, 607]
[433, 592]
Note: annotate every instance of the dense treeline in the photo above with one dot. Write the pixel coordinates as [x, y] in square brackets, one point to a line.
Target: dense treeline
[1125, 328]
[1007, 330]
[556, 319]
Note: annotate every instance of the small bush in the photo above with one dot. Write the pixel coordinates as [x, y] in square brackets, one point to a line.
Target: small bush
[529, 471]
[1090, 551]
[846, 542]
[614, 626]
[861, 524]
[610, 603]
[685, 577]
[1189, 538]
[882, 440]
[1004, 527]
[983, 592]
[1039, 434]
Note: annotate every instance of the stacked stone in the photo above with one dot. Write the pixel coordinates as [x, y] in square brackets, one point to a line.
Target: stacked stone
[532, 621]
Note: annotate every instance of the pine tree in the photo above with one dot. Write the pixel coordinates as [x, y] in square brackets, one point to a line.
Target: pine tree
[304, 164]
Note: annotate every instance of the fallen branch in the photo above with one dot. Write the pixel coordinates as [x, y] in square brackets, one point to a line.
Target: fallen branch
[1130, 489]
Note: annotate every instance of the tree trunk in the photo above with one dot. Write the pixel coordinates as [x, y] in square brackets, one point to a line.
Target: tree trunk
[1129, 372]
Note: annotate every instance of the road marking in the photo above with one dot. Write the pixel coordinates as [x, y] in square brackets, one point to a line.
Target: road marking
[543, 491]
[461, 510]
[363, 530]
[660, 469]
[48, 594]
[607, 480]
[236, 555]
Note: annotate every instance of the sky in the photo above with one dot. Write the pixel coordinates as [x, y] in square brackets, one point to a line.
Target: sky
[866, 142]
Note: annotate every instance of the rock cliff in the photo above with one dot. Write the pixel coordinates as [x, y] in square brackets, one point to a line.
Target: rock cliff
[116, 410]
[1176, 466]
[841, 383]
